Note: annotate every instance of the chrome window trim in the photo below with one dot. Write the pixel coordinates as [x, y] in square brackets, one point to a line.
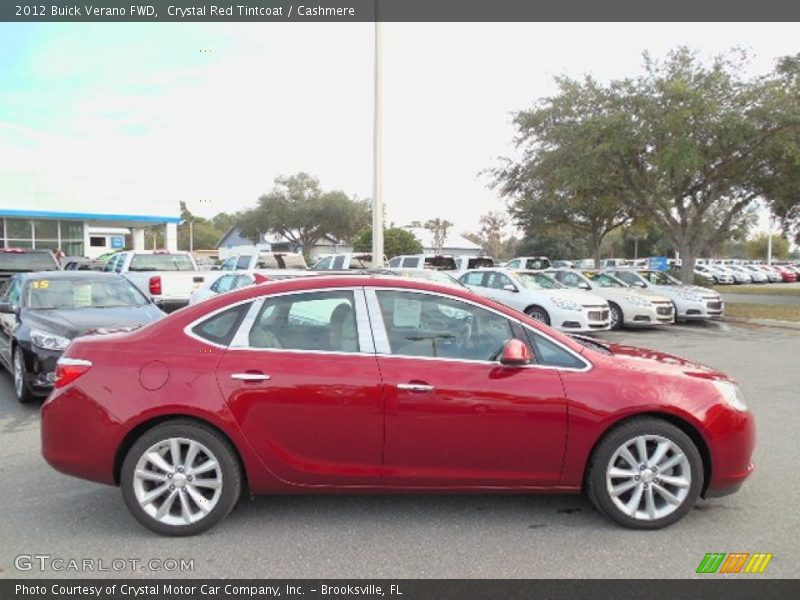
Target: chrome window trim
[241, 339]
[383, 349]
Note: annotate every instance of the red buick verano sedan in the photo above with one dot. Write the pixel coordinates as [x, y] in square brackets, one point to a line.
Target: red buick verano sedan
[382, 384]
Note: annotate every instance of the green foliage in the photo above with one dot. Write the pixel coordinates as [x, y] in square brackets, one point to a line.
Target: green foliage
[300, 211]
[757, 248]
[685, 145]
[396, 241]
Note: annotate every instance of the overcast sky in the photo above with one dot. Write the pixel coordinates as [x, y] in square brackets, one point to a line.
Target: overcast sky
[217, 111]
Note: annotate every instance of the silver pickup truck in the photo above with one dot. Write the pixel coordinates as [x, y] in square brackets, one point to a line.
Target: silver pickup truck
[169, 278]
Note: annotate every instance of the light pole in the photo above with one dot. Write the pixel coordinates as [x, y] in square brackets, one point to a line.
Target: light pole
[377, 172]
[769, 241]
[190, 222]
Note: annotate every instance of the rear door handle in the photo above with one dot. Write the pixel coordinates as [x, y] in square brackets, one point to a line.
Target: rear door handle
[415, 387]
[250, 376]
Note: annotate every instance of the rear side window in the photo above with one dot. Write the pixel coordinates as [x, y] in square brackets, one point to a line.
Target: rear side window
[243, 262]
[338, 262]
[220, 328]
[410, 262]
[472, 279]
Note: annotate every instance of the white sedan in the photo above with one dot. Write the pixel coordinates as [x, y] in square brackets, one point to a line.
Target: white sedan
[542, 298]
[691, 302]
[233, 280]
[630, 306]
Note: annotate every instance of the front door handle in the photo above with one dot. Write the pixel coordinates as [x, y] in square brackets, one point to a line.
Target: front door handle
[415, 387]
[250, 376]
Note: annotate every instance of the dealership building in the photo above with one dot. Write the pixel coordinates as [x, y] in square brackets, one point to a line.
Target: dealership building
[81, 215]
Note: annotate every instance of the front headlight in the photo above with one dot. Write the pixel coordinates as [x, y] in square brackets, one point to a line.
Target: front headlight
[566, 304]
[637, 300]
[48, 341]
[731, 394]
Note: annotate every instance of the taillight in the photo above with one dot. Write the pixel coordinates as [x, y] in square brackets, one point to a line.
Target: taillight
[69, 369]
[155, 285]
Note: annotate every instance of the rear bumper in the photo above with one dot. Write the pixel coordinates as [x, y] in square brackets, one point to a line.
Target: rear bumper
[79, 437]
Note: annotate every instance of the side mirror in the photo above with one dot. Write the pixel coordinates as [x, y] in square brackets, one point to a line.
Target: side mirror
[584, 286]
[640, 284]
[510, 288]
[7, 308]
[515, 354]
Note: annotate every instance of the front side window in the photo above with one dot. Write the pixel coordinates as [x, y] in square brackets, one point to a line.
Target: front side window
[497, 281]
[229, 264]
[316, 321]
[537, 281]
[12, 292]
[338, 262]
[550, 354]
[628, 277]
[324, 263]
[607, 281]
[513, 264]
[434, 326]
[410, 262]
[537, 264]
[395, 262]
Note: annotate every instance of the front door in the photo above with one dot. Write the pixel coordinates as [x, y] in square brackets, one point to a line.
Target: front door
[302, 380]
[454, 415]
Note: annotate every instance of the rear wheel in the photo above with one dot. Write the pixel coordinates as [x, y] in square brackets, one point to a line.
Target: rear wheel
[615, 315]
[645, 474]
[21, 388]
[180, 478]
[538, 313]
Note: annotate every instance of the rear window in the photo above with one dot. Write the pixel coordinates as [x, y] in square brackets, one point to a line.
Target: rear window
[537, 264]
[480, 263]
[220, 328]
[161, 262]
[443, 263]
[281, 261]
[27, 261]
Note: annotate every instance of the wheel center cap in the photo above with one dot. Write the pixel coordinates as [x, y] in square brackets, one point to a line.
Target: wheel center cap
[179, 479]
[648, 475]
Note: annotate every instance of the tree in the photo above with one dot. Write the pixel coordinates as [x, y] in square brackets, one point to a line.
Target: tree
[757, 247]
[563, 179]
[300, 211]
[439, 229]
[687, 145]
[203, 233]
[700, 145]
[396, 241]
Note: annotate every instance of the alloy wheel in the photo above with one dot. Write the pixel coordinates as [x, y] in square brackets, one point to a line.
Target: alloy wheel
[19, 374]
[648, 477]
[177, 481]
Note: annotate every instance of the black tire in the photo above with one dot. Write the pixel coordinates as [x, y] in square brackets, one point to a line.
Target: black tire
[596, 487]
[231, 476]
[616, 311]
[538, 313]
[22, 390]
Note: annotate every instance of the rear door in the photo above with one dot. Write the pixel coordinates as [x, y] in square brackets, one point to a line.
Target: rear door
[302, 381]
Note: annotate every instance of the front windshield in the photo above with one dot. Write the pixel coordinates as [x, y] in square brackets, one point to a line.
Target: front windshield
[67, 294]
[537, 281]
[659, 278]
[606, 281]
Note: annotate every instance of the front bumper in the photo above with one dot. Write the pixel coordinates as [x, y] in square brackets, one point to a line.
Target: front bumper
[658, 313]
[40, 367]
[702, 310]
[589, 318]
[731, 439]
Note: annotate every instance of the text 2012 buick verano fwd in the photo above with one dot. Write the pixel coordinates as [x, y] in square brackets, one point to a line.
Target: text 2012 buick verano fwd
[384, 384]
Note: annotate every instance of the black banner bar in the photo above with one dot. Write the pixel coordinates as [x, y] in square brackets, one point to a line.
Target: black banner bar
[398, 10]
[709, 588]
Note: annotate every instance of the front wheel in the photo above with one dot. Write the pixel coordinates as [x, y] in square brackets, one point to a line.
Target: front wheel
[21, 388]
[615, 315]
[180, 478]
[645, 474]
[538, 313]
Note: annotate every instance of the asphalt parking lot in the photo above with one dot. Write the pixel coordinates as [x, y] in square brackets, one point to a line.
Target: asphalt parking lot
[44, 512]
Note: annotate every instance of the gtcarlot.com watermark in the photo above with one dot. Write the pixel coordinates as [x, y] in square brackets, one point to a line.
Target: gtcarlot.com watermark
[50, 563]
